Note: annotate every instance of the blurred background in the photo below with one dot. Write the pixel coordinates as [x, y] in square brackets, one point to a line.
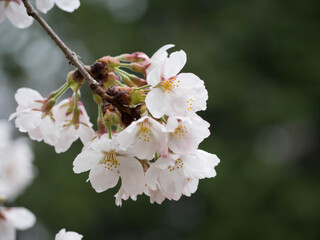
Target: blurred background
[260, 60]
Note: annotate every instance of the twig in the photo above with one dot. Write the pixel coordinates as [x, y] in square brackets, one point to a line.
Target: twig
[69, 54]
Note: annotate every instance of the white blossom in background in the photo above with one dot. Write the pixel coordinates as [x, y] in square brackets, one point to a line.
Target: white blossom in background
[16, 164]
[173, 94]
[70, 126]
[12, 219]
[15, 12]
[68, 235]
[66, 5]
[31, 118]
[107, 163]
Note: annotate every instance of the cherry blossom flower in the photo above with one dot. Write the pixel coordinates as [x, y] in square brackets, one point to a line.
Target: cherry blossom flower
[144, 138]
[12, 219]
[32, 117]
[107, 163]
[176, 175]
[66, 5]
[186, 133]
[16, 169]
[16, 13]
[71, 123]
[64, 235]
[173, 94]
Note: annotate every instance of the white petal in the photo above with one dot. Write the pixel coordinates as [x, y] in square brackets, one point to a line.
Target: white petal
[157, 103]
[7, 231]
[172, 124]
[132, 175]
[19, 217]
[172, 183]
[158, 57]
[102, 179]
[191, 187]
[44, 5]
[17, 15]
[127, 137]
[201, 165]
[152, 176]
[119, 196]
[35, 134]
[86, 133]
[28, 120]
[162, 164]
[49, 131]
[154, 77]
[103, 144]
[68, 5]
[66, 137]
[63, 235]
[60, 111]
[161, 52]
[174, 64]
[156, 196]
[193, 89]
[84, 118]
[86, 160]
[26, 97]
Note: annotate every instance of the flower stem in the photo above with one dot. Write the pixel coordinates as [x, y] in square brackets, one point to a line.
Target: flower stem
[75, 101]
[162, 118]
[143, 87]
[109, 132]
[125, 78]
[61, 91]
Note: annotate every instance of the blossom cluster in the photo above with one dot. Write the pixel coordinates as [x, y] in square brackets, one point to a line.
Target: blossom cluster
[15, 12]
[148, 130]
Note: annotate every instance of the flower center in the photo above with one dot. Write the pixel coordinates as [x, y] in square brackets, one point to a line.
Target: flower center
[177, 165]
[190, 103]
[169, 84]
[144, 132]
[110, 161]
[180, 131]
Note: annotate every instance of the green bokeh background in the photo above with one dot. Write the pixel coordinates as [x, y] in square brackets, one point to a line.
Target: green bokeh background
[260, 60]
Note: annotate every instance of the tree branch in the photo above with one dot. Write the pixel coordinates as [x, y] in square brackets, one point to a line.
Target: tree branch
[69, 54]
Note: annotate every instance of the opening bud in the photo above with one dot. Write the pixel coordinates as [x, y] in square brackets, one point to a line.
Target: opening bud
[110, 63]
[110, 114]
[134, 57]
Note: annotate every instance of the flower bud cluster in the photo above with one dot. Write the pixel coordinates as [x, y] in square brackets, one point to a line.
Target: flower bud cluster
[148, 130]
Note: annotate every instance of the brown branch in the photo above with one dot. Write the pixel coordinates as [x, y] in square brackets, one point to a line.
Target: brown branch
[74, 59]
[69, 54]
